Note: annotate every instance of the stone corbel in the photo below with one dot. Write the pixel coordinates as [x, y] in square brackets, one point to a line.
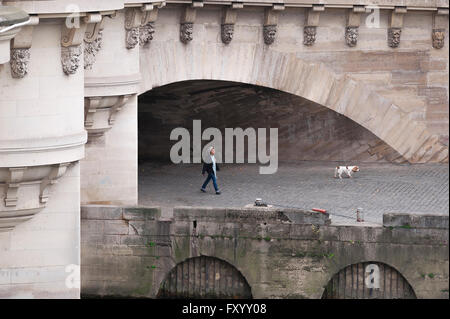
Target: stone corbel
[56, 172]
[20, 49]
[27, 192]
[227, 26]
[71, 39]
[395, 26]
[147, 27]
[100, 113]
[271, 22]
[352, 28]
[311, 24]
[132, 23]
[12, 185]
[187, 22]
[440, 18]
[92, 38]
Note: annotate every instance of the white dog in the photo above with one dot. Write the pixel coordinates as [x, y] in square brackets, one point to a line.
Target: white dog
[345, 169]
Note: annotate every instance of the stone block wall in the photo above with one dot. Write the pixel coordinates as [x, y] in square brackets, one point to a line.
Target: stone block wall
[130, 251]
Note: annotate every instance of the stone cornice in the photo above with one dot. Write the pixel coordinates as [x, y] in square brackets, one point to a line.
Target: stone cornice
[63, 8]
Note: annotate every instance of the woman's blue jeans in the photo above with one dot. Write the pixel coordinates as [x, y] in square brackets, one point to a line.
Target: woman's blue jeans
[213, 177]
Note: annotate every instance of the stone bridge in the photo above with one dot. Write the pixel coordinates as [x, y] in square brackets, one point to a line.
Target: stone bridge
[259, 253]
[71, 72]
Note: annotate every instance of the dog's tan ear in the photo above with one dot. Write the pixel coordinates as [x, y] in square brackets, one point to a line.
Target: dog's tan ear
[355, 169]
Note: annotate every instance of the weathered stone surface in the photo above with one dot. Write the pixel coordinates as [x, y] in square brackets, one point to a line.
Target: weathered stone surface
[137, 213]
[299, 258]
[415, 221]
[101, 212]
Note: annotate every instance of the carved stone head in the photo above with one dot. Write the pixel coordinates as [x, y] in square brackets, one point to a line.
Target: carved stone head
[269, 31]
[186, 32]
[132, 38]
[309, 35]
[351, 36]
[19, 62]
[438, 37]
[70, 59]
[394, 37]
[146, 33]
[227, 31]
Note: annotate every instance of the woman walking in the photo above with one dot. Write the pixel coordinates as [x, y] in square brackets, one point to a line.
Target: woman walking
[211, 169]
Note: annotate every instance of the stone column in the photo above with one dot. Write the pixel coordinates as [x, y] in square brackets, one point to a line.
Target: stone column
[110, 117]
[42, 139]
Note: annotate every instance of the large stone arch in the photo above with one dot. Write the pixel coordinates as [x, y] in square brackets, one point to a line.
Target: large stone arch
[172, 61]
[350, 283]
[204, 277]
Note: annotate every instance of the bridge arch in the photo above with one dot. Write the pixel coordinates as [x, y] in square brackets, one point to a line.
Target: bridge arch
[171, 61]
[204, 277]
[368, 280]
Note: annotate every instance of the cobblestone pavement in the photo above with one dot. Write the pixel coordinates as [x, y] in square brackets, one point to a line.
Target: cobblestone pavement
[377, 188]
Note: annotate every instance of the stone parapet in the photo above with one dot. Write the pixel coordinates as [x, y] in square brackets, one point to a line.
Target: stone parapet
[415, 220]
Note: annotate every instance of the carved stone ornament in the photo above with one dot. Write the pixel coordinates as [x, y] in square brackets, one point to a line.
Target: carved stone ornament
[19, 62]
[394, 37]
[309, 35]
[27, 192]
[438, 37]
[91, 49]
[186, 32]
[351, 36]
[146, 33]
[70, 59]
[269, 32]
[132, 38]
[227, 31]
[100, 113]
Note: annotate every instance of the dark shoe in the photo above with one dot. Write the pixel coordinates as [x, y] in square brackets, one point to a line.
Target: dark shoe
[203, 190]
[218, 193]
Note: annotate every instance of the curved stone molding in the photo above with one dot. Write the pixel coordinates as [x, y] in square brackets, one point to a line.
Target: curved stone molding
[226, 33]
[438, 38]
[26, 191]
[19, 62]
[111, 86]
[394, 37]
[186, 32]
[351, 36]
[70, 59]
[309, 35]
[146, 33]
[269, 32]
[100, 112]
[41, 151]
